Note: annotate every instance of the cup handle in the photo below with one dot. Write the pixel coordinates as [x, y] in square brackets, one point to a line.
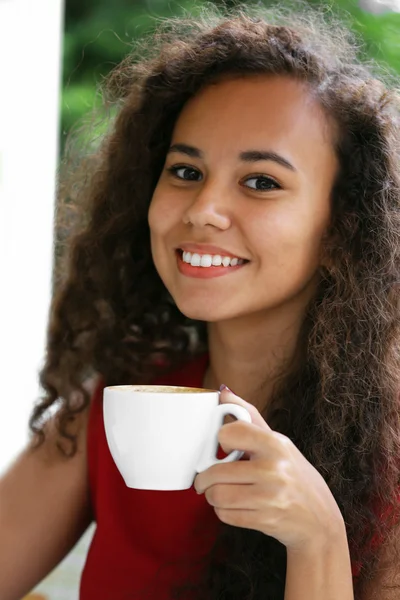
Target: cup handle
[208, 455]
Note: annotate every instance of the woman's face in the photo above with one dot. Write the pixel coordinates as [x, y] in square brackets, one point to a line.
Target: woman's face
[249, 172]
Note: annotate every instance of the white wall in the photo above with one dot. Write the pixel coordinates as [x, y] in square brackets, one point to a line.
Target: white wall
[30, 67]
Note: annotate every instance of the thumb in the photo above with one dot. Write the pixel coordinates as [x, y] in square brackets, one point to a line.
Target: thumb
[227, 396]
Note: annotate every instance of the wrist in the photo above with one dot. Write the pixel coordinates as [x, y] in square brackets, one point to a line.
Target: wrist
[333, 536]
[320, 570]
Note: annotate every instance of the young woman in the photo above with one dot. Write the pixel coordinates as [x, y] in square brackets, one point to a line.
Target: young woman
[238, 226]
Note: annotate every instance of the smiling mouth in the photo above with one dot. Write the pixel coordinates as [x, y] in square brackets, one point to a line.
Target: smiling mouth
[210, 261]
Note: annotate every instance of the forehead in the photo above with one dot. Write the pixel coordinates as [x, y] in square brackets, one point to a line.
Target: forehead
[257, 112]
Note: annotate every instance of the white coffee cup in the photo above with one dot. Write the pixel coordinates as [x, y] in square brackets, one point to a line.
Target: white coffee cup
[160, 437]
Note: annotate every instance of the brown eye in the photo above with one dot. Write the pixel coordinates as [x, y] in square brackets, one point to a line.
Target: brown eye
[185, 173]
[263, 183]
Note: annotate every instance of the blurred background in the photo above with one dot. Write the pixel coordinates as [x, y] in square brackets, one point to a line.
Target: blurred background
[98, 34]
[72, 45]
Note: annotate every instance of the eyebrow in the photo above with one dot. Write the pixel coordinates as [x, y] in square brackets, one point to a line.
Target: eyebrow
[247, 156]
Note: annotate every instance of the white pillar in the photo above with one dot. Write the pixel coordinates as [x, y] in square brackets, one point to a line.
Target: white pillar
[30, 79]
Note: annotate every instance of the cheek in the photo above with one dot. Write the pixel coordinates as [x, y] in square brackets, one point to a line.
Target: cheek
[156, 226]
[158, 230]
[291, 238]
[163, 212]
[154, 217]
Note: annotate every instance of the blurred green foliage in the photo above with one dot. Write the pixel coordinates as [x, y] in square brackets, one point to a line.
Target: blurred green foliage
[98, 34]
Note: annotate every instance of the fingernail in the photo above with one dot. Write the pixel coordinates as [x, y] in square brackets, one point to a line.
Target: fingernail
[224, 387]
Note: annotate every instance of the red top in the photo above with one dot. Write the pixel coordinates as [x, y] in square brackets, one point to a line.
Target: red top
[139, 531]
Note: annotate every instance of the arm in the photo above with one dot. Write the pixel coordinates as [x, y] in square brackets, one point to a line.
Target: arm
[320, 571]
[44, 510]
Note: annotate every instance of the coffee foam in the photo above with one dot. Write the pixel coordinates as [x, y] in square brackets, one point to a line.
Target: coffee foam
[159, 389]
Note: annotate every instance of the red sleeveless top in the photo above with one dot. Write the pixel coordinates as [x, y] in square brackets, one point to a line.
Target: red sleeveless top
[145, 540]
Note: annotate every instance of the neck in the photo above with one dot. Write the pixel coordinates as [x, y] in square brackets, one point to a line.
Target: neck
[248, 354]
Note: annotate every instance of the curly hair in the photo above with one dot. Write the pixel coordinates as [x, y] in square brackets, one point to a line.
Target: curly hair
[111, 315]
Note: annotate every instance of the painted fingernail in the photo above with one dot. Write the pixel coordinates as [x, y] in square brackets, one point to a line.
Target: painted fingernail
[224, 387]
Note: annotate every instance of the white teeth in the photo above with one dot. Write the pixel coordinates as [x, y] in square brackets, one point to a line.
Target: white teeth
[208, 260]
[217, 260]
[195, 262]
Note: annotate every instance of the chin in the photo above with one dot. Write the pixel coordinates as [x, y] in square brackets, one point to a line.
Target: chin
[200, 312]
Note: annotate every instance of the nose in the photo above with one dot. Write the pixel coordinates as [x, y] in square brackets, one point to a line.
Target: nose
[209, 207]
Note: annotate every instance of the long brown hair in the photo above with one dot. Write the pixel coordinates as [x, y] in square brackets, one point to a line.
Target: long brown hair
[112, 316]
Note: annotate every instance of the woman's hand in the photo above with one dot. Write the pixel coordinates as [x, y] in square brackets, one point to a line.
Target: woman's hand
[276, 491]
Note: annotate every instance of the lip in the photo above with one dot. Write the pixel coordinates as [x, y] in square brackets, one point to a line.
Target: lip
[201, 272]
[207, 249]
